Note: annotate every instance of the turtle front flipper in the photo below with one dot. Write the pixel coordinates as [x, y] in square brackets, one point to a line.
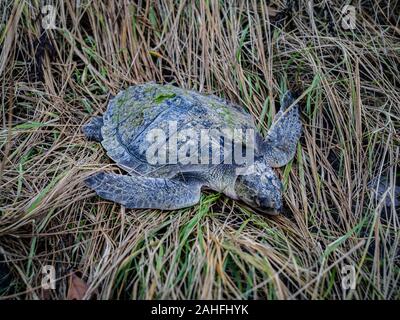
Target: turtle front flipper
[145, 192]
[92, 129]
[280, 144]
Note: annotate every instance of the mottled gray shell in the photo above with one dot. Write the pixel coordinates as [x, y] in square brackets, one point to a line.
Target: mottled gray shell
[134, 112]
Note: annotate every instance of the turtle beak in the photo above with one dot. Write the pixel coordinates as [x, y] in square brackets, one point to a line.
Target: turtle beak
[270, 208]
[278, 208]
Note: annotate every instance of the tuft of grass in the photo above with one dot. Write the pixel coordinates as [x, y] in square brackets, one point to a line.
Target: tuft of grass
[52, 81]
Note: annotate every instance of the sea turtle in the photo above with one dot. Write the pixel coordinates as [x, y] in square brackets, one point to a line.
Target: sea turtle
[137, 117]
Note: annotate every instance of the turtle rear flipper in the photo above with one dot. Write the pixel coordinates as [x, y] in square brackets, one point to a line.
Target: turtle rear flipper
[144, 192]
[92, 129]
[280, 144]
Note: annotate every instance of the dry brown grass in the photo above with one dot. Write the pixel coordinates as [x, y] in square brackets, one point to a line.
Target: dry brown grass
[52, 82]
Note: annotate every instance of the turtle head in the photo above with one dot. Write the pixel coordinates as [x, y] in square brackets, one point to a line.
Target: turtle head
[260, 188]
